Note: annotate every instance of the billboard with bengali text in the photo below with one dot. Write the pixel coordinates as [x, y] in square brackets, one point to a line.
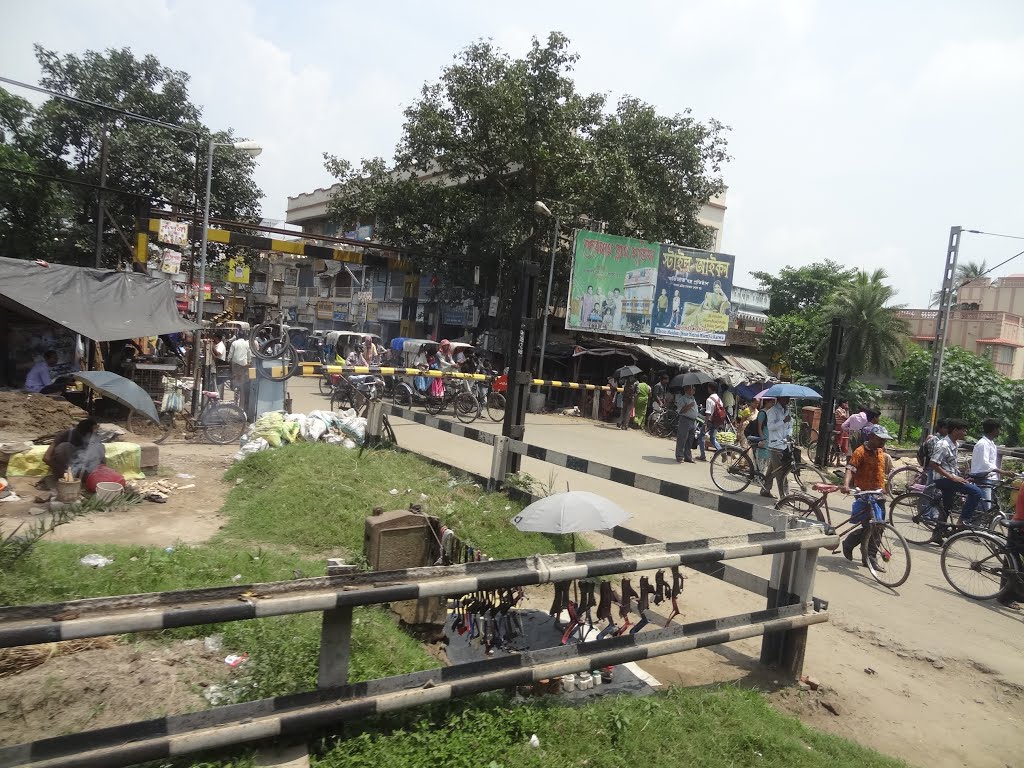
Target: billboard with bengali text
[635, 288]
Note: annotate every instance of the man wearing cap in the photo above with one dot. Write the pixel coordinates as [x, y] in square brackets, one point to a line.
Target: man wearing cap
[867, 469]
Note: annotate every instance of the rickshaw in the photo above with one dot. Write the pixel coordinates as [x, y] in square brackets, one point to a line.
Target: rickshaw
[405, 352]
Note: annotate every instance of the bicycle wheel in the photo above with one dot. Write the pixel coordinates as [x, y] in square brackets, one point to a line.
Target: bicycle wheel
[268, 340]
[402, 395]
[731, 470]
[341, 399]
[325, 385]
[802, 505]
[223, 423]
[434, 405]
[978, 565]
[143, 427]
[901, 480]
[915, 515]
[811, 440]
[888, 556]
[467, 407]
[289, 365]
[495, 406]
[389, 433]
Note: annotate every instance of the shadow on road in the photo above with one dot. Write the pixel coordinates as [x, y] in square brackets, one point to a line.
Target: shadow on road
[659, 459]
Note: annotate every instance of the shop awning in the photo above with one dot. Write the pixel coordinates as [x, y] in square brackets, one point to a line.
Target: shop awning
[748, 364]
[752, 317]
[100, 304]
[688, 357]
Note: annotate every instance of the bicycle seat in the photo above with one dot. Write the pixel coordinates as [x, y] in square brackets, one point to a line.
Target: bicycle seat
[825, 487]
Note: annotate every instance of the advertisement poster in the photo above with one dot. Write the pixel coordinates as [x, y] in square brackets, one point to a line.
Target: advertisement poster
[693, 295]
[173, 232]
[612, 285]
[237, 272]
[171, 262]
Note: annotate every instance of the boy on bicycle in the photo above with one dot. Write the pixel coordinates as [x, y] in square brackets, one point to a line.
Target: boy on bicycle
[867, 466]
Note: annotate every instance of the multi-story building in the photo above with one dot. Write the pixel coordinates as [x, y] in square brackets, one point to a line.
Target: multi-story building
[988, 319]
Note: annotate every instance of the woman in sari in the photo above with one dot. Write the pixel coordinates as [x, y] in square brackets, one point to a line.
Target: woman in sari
[643, 397]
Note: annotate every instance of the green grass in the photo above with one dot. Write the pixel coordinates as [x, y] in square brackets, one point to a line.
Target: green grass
[710, 728]
[313, 498]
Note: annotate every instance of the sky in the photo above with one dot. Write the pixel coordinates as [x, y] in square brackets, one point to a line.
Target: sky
[860, 132]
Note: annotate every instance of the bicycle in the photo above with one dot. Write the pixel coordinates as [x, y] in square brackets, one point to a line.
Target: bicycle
[881, 540]
[463, 402]
[808, 437]
[733, 468]
[662, 423]
[919, 513]
[217, 422]
[356, 392]
[983, 565]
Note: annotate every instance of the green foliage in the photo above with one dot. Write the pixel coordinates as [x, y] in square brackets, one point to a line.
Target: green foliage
[874, 335]
[792, 341]
[970, 389]
[712, 728]
[314, 497]
[862, 395]
[63, 139]
[796, 290]
[514, 131]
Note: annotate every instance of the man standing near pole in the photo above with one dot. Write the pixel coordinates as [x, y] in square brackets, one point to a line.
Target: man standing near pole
[239, 355]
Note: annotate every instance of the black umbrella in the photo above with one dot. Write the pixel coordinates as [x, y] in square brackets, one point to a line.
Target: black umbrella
[626, 371]
[689, 379]
[125, 391]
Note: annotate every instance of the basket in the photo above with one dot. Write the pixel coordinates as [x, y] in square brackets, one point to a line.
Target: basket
[108, 491]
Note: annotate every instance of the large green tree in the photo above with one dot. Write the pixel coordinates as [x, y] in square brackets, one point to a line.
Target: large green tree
[63, 139]
[874, 335]
[495, 133]
[803, 289]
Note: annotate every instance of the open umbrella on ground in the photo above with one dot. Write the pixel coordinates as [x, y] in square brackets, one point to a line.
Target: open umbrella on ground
[626, 371]
[125, 391]
[689, 379]
[791, 390]
[570, 512]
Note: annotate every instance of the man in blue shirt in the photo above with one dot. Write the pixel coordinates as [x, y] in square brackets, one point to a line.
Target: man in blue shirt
[40, 379]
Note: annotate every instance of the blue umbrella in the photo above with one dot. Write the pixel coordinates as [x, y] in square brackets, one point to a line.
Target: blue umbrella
[791, 390]
[125, 391]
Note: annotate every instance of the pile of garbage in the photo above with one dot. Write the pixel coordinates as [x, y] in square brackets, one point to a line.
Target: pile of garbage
[272, 430]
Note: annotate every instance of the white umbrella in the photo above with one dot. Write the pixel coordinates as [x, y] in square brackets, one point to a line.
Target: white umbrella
[570, 512]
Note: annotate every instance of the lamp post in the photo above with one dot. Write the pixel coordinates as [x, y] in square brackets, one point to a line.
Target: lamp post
[543, 210]
[252, 149]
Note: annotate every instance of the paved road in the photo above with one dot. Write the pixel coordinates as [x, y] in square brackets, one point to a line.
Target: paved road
[924, 619]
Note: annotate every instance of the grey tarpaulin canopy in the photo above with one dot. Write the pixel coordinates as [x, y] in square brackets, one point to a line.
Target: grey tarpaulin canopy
[100, 304]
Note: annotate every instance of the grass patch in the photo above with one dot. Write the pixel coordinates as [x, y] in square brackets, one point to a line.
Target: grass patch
[283, 650]
[717, 728]
[314, 497]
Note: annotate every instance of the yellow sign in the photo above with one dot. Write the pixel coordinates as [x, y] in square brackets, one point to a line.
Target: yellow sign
[371, 311]
[238, 272]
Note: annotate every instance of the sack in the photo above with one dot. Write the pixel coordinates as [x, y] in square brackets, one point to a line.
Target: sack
[718, 415]
[102, 474]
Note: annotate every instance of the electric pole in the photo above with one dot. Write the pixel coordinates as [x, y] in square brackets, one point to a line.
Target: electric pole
[949, 291]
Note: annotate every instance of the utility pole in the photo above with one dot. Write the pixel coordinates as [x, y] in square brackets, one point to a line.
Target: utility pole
[99, 198]
[828, 403]
[949, 291]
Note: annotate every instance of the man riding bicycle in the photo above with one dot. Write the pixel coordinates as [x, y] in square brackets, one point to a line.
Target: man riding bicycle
[945, 474]
[867, 467]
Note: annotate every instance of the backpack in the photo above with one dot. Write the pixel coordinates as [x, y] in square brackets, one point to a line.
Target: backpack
[924, 452]
[718, 415]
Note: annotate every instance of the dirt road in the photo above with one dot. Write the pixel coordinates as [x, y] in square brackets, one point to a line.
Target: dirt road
[947, 681]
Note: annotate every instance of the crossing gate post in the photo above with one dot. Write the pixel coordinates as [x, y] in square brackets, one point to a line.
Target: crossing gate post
[499, 463]
[335, 636]
[791, 583]
[523, 329]
[374, 422]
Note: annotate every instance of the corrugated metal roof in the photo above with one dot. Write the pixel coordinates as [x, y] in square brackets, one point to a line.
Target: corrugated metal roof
[689, 357]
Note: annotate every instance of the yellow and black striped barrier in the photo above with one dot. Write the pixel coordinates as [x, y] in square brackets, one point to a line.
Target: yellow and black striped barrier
[317, 369]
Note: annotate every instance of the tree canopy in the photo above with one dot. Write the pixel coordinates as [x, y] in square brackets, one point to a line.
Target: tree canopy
[43, 219]
[494, 134]
[801, 289]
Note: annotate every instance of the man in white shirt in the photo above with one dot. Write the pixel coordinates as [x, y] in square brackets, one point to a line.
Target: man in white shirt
[985, 469]
[711, 425]
[779, 427]
[240, 355]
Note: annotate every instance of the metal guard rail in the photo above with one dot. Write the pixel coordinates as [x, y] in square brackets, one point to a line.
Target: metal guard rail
[95, 617]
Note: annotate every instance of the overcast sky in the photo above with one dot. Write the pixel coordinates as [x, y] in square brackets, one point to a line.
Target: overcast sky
[860, 131]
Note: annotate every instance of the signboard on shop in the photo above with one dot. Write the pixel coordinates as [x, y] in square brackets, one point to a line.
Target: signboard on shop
[635, 288]
[325, 310]
[389, 312]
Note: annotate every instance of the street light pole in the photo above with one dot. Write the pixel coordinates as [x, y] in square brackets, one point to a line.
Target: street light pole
[253, 149]
[542, 209]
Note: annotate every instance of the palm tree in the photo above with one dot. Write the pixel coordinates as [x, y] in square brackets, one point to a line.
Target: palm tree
[964, 274]
[875, 334]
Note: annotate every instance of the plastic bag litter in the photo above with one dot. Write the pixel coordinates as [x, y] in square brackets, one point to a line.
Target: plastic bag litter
[253, 445]
[353, 426]
[95, 561]
[349, 443]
